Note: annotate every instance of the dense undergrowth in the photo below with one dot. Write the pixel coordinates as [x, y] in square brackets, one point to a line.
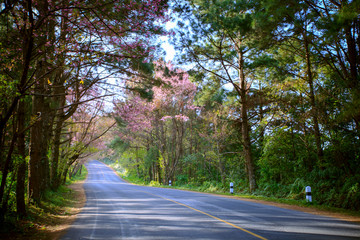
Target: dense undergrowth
[54, 204]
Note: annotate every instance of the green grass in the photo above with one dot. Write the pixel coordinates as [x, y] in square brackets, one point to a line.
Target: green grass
[55, 201]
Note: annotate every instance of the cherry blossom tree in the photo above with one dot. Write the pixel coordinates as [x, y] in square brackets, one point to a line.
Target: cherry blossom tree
[162, 121]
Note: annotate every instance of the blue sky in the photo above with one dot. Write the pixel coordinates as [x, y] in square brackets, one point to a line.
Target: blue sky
[169, 48]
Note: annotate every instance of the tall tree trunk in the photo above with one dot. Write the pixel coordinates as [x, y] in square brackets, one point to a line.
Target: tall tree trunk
[353, 44]
[46, 132]
[314, 110]
[308, 162]
[65, 171]
[158, 169]
[352, 56]
[28, 44]
[261, 116]
[35, 183]
[21, 169]
[54, 174]
[137, 165]
[245, 129]
[39, 171]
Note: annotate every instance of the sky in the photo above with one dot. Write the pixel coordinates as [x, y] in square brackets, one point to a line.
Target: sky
[168, 48]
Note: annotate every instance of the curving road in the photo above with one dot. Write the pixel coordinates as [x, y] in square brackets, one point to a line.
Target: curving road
[118, 210]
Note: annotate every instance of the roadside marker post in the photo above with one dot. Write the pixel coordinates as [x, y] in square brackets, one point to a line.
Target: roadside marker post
[232, 188]
[169, 182]
[308, 194]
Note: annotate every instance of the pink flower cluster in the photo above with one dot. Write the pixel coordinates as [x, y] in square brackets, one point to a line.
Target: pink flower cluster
[180, 117]
[172, 100]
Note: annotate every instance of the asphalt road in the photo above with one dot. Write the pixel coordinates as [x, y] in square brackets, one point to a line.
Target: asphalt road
[118, 210]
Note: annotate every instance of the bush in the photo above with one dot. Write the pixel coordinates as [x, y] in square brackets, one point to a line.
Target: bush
[350, 193]
[182, 179]
[154, 184]
[211, 186]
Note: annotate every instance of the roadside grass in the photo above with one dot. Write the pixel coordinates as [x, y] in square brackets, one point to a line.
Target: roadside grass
[53, 208]
[215, 188]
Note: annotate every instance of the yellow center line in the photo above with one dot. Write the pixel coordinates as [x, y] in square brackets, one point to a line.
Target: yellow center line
[219, 219]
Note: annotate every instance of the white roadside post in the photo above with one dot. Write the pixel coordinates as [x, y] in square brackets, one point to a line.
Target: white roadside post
[231, 188]
[308, 194]
[169, 182]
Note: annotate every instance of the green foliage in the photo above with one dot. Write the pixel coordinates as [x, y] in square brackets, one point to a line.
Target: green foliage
[152, 156]
[145, 93]
[119, 145]
[154, 184]
[333, 188]
[133, 178]
[10, 193]
[212, 187]
[283, 157]
[79, 176]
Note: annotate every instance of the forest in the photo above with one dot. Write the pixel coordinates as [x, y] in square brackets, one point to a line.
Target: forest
[265, 94]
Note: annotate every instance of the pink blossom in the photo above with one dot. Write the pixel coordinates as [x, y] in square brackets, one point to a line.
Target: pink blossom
[166, 118]
[172, 100]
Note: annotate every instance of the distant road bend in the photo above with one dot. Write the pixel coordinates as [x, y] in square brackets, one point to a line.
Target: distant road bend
[118, 210]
